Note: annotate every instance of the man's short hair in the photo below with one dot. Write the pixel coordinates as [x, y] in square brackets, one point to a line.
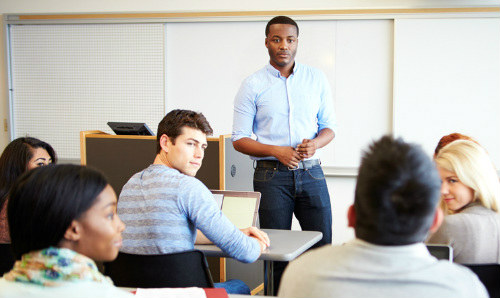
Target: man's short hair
[172, 124]
[397, 192]
[281, 20]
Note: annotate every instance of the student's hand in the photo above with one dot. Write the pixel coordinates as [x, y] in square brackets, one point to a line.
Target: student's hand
[307, 148]
[287, 156]
[261, 236]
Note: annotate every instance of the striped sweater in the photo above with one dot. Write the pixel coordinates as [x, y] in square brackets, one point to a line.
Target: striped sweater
[162, 208]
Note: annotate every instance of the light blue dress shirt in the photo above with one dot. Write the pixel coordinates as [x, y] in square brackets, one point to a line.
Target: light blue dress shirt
[283, 111]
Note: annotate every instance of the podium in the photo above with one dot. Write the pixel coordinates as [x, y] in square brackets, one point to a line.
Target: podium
[119, 157]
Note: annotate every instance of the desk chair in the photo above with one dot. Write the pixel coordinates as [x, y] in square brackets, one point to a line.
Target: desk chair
[6, 258]
[489, 275]
[441, 252]
[176, 270]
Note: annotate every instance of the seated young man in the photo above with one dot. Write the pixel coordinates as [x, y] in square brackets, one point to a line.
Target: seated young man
[164, 205]
[395, 207]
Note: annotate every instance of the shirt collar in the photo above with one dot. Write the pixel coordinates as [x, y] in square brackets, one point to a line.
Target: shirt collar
[277, 73]
[415, 248]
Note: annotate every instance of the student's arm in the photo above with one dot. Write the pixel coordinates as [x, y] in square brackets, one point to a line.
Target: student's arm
[261, 236]
[197, 202]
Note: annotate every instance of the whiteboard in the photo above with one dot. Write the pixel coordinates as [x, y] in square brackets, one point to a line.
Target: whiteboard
[418, 78]
[362, 90]
[447, 79]
[206, 63]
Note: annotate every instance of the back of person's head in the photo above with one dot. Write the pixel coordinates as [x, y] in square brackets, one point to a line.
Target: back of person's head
[172, 124]
[445, 140]
[15, 159]
[44, 202]
[474, 168]
[396, 195]
[281, 20]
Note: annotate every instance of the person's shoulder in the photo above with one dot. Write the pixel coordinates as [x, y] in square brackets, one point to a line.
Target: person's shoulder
[311, 70]
[462, 277]
[479, 210]
[192, 186]
[314, 257]
[70, 289]
[454, 221]
[96, 289]
[256, 77]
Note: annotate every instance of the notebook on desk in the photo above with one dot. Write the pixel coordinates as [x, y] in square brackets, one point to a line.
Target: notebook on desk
[240, 207]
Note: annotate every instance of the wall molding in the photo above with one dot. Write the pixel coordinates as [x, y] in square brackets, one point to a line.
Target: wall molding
[229, 16]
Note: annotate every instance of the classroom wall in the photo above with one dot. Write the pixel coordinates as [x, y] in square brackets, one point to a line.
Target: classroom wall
[341, 188]
[95, 6]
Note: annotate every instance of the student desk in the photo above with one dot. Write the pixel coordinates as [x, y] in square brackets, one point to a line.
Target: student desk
[285, 246]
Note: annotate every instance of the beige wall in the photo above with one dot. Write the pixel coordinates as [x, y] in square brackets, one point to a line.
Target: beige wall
[41, 6]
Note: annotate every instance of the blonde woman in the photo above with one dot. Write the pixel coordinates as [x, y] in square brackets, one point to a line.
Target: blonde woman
[470, 192]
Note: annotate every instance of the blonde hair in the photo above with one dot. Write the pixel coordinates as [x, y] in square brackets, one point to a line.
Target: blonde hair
[474, 168]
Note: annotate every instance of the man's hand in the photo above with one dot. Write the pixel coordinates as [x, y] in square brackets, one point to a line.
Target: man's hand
[261, 237]
[287, 156]
[307, 148]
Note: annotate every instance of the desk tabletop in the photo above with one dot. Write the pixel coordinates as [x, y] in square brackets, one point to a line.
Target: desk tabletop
[285, 245]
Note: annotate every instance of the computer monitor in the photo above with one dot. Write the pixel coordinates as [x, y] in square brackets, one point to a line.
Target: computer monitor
[130, 128]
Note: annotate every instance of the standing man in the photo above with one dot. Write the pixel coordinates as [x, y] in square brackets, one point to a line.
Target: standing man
[288, 106]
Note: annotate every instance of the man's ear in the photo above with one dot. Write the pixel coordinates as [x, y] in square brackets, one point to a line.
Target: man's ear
[438, 220]
[73, 233]
[265, 43]
[164, 142]
[351, 217]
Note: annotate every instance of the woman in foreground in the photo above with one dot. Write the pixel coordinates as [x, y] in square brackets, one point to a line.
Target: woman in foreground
[62, 218]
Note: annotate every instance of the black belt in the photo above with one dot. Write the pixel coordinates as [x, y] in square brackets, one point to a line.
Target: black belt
[274, 164]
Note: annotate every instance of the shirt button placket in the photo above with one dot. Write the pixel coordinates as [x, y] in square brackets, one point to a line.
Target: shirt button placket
[290, 112]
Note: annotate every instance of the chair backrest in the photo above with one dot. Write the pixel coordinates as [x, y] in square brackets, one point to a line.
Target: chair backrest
[441, 252]
[489, 275]
[176, 270]
[6, 258]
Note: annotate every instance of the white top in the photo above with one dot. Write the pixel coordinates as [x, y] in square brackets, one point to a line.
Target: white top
[9, 289]
[361, 269]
